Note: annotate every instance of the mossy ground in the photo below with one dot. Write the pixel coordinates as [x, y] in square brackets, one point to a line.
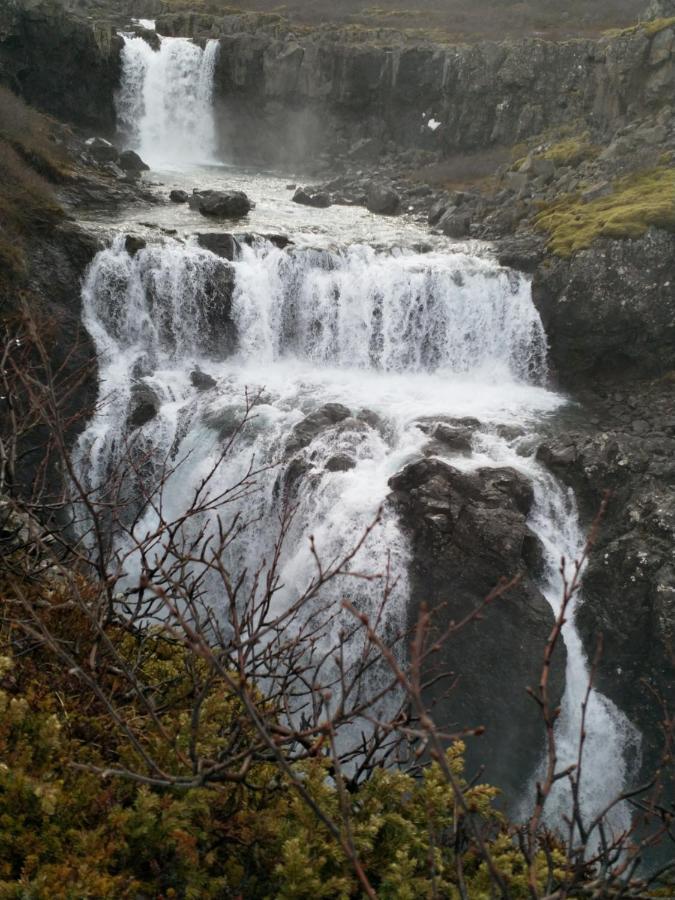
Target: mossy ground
[637, 203]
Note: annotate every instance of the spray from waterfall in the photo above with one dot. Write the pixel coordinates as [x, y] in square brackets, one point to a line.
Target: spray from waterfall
[165, 101]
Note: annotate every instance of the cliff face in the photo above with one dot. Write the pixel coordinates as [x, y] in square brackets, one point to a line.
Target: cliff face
[63, 65]
[349, 86]
[289, 95]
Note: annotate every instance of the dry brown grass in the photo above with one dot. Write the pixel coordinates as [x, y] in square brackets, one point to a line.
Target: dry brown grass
[30, 162]
[465, 170]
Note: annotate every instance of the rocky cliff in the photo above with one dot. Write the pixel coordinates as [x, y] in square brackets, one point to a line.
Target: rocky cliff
[66, 66]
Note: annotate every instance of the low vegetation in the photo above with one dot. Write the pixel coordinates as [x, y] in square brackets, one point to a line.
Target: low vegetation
[69, 831]
[31, 162]
[636, 203]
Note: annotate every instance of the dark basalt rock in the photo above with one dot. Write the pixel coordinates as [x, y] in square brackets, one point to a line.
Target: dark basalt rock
[133, 243]
[629, 584]
[102, 151]
[304, 432]
[178, 196]
[143, 405]
[202, 381]
[467, 531]
[130, 161]
[221, 204]
[455, 223]
[221, 243]
[306, 197]
[340, 463]
[609, 312]
[383, 200]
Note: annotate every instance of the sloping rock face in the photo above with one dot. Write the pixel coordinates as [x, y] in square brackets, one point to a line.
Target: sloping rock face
[468, 530]
[289, 97]
[64, 66]
[52, 288]
[609, 312]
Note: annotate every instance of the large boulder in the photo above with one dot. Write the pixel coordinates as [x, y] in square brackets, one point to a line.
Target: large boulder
[609, 311]
[305, 431]
[143, 405]
[467, 531]
[383, 199]
[221, 204]
[307, 197]
[222, 244]
[130, 161]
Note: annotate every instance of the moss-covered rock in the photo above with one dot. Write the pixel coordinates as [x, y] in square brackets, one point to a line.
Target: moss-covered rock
[635, 203]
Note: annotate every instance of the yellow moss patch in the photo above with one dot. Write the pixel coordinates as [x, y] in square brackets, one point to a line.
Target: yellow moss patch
[571, 151]
[648, 28]
[638, 202]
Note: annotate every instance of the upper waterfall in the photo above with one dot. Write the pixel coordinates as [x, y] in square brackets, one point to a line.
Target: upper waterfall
[165, 100]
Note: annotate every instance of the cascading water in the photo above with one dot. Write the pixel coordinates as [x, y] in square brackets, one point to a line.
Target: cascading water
[393, 337]
[165, 100]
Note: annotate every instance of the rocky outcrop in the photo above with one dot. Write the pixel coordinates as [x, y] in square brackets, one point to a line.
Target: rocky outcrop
[63, 65]
[609, 312]
[289, 97]
[629, 586]
[469, 530]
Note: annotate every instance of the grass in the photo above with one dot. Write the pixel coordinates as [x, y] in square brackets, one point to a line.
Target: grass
[637, 203]
[30, 163]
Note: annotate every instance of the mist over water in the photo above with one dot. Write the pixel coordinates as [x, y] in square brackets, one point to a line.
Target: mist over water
[394, 335]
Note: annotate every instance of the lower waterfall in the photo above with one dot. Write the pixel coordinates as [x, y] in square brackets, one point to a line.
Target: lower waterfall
[392, 337]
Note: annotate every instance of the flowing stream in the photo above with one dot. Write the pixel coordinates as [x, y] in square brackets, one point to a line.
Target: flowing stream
[392, 335]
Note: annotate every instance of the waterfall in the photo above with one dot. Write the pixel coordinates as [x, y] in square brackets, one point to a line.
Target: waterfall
[612, 745]
[165, 100]
[393, 337]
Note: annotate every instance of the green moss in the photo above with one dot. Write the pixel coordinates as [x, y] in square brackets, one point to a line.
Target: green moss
[637, 203]
[570, 151]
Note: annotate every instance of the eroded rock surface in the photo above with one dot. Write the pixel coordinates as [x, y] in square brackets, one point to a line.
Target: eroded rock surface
[468, 531]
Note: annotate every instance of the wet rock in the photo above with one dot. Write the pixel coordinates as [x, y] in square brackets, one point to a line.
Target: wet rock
[523, 252]
[383, 199]
[178, 196]
[202, 381]
[629, 584]
[133, 243]
[221, 204]
[340, 463]
[453, 437]
[438, 210]
[101, 150]
[222, 244]
[609, 312]
[307, 197]
[130, 161]
[467, 531]
[304, 432]
[143, 405]
[455, 223]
